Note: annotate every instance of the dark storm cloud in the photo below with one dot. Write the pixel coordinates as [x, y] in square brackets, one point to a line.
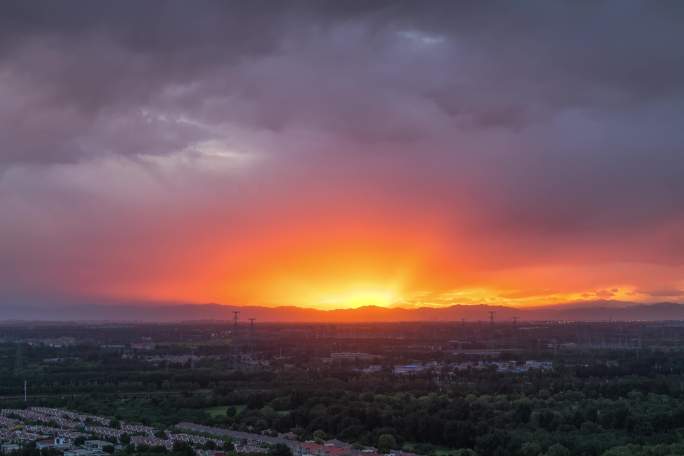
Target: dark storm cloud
[499, 64]
[391, 70]
[589, 89]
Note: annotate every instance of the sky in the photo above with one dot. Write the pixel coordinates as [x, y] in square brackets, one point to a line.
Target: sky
[339, 154]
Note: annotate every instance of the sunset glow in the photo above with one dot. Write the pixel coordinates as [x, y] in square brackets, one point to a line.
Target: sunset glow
[367, 160]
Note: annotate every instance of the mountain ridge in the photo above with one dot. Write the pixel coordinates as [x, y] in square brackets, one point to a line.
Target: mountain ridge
[175, 312]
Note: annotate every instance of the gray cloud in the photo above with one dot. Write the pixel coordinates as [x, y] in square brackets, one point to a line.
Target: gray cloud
[664, 293]
[380, 71]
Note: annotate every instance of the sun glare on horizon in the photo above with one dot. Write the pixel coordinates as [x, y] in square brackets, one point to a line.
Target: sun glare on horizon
[361, 297]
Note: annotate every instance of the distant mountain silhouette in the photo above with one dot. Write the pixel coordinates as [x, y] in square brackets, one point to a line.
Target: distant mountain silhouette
[580, 311]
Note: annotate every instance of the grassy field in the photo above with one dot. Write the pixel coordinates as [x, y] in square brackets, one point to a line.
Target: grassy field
[220, 410]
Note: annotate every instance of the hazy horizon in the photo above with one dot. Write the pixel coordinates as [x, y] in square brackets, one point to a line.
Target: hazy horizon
[584, 311]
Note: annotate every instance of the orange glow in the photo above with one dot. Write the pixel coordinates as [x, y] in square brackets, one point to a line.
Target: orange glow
[343, 261]
[334, 266]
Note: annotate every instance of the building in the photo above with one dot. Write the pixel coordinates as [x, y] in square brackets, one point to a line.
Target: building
[82, 452]
[45, 443]
[145, 346]
[97, 444]
[352, 356]
[9, 447]
[406, 369]
[62, 442]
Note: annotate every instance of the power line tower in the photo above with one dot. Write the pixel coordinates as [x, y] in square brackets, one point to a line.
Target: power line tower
[491, 317]
[252, 342]
[234, 343]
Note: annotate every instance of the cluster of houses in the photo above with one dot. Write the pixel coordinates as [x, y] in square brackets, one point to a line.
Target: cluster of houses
[62, 418]
[77, 434]
[13, 435]
[338, 448]
[62, 429]
[512, 367]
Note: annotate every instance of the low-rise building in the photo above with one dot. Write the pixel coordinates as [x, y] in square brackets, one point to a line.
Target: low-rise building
[83, 452]
[45, 443]
[9, 447]
[97, 444]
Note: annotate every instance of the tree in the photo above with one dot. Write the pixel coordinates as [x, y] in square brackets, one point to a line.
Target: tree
[386, 442]
[557, 450]
[628, 450]
[530, 449]
[125, 439]
[182, 449]
[280, 449]
[522, 411]
[319, 435]
[458, 434]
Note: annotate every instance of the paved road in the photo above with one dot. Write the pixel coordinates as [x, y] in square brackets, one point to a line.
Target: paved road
[237, 435]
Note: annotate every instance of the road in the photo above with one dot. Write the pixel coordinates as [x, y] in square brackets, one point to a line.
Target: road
[237, 435]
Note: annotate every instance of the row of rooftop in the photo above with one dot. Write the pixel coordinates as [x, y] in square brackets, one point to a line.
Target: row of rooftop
[62, 429]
